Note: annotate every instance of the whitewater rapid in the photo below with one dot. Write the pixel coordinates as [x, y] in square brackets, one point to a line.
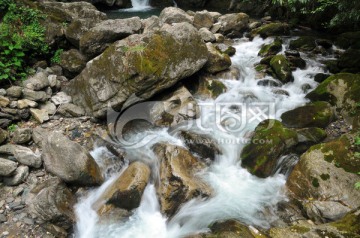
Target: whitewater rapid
[237, 194]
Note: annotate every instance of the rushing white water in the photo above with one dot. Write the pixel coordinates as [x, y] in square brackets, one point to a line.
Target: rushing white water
[237, 194]
[139, 6]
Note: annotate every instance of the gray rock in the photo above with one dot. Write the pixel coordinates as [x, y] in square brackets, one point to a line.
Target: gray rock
[22, 135]
[4, 135]
[71, 110]
[39, 135]
[7, 167]
[2, 92]
[233, 24]
[4, 123]
[207, 35]
[172, 15]
[203, 19]
[37, 81]
[217, 61]
[175, 108]
[325, 211]
[40, 115]
[37, 96]
[26, 103]
[150, 24]
[21, 173]
[4, 101]
[3, 219]
[51, 201]
[61, 98]
[14, 91]
[49, 107]
[72, 62]
[52, 80]
[22, 154]
[69, 161]
[126, 73]
[97, 38]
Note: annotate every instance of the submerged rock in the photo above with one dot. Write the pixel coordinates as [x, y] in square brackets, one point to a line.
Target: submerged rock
[270, 140]
[178, 180]
[138, 67]
[316, 114]
[127, 190]
[69, 161]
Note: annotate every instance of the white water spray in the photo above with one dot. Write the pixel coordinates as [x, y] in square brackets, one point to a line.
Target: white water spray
[237, 194]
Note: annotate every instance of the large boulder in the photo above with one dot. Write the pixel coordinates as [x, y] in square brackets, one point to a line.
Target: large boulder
[349, 39]
[272, 29]
[323, 180]
[206, 86]
[341, 90]
[270, 140]
[271, 49]
[69, 161]
[303, 43]
[52, 202]
[138, 67]
[174, 108]
[126, 191]
[316, 114]
[172, 15]
[203, 19]
[95, 40]
[233, 24]
[178, 180]
[281, 67]
[349, 61]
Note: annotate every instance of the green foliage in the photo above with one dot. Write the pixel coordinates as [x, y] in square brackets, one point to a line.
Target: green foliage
[346, 12]
[12, 127]
[21, 38]
[56, 58]
[357, 140]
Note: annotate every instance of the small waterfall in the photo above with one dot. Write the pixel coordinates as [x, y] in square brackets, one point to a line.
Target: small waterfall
[140, 5]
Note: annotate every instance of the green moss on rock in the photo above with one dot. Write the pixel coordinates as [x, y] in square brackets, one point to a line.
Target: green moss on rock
[261, 158]
[272, 29]
[303, 43]
[271, 49]
[281, 68]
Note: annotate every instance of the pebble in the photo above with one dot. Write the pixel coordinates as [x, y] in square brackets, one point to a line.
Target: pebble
[3, 218]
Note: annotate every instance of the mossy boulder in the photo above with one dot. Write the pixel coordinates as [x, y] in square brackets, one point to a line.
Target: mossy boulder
[326, 173]
[72, 62]
[271, 49]
[349, 39]
[272, 29]
[205, 86]
[138, 67]
[308, 137]
[281, 67]
[349, 61]
[341, 90]
[316, 114]
[270, 140]
[349, 223]
[303, 43]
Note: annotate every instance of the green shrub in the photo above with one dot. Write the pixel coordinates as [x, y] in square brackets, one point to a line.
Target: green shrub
[56, 58]
[22, 38]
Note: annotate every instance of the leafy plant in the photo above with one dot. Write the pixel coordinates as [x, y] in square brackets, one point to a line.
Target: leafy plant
[56, 58]
[21, 38]
[357, 140]
[12, 127]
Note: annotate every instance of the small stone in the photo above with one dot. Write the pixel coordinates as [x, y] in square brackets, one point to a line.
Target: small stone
[28, 221]
[71, 110]
[49, 107]
[18, 191]
[13, 104]
[7, 167]
[2, 92]
[14, 91]
[52, 80]
[40, 115]
[5, 233]
[3, 219]
[37, 82]
[61, 98]
[10, 199]
[25, 103]
[4, 101]
[37, 96]
[21, 173]
[4, 135]
[22, 135]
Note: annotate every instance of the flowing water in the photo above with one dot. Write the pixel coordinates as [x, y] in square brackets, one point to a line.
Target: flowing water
[140, 8]
[237, 194]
